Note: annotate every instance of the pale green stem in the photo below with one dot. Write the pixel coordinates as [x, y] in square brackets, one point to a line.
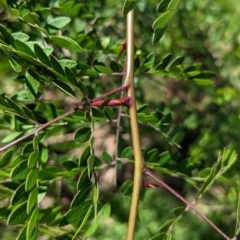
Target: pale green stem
[139, 162]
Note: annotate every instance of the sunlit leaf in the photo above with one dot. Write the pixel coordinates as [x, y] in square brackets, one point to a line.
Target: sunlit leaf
[31, 179]
[163, 20]
[6, 158]
[66, 42]
[59, 22]
[31, 18]
[103, 69]
[32, 200]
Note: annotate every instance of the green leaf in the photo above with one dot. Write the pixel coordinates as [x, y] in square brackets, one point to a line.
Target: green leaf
[204, 75]
[83, 88]
[20, 36]
[3, 102]
[23, 47]
[114, 66]
[173, 5]
[95, 196]
[163, 20]
[81, 196]
[166, 225]
[151, 155]
[83, 134]
[31, 179]
[203, 82]
[127, 187]
[106, 157]
[162, 6]
[11, 137]
[68, 63]
[127, 152]
[106, 210]
[159, 236]
[6, 158]
[32, 84]
[178, 211]
[70, 76]
[158, 34]
[64, 88]
[108, 111]
[84, 157]
[90, 73]
[20, 171]
[84, 181]
[35, 146]
[76, 215]
[32, 223]
[29, 113]
[128, 6]
[15, 107]
[66, 42]
[142, 108]
[175, 62]
[224, 162]
[41, 55]
[103, 69]
[32, 160]
[8, 38]
[93, 227]
[32, 200]
[90, 164]
[59, 22]
[164, 62]
[23, 233]
[56, 65]
[19, 195]
[18, 215]
[29, 58]
[15, 65]
[31, 18]
[43, 154]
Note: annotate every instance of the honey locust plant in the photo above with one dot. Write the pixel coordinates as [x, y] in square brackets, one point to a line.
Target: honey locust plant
[61, 61]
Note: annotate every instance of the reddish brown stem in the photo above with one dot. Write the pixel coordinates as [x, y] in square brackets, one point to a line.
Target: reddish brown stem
[80, 106]
[112, 102]
[188, 204]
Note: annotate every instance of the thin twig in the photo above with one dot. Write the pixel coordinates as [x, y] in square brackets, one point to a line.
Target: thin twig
[92, 102]
[188, 204]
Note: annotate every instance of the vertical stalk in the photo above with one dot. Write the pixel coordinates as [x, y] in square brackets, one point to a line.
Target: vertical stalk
[139, 162]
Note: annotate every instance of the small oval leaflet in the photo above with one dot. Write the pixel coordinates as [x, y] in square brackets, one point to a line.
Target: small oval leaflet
[83, 134]
[59, 22]
[31, 179]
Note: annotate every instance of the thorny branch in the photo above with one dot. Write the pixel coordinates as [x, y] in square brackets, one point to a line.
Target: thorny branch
[92, 102]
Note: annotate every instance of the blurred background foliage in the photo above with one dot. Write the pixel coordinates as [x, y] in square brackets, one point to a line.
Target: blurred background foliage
[203, 117]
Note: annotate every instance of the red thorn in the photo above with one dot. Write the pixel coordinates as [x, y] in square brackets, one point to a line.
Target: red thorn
[122, 49]
[113, 102]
